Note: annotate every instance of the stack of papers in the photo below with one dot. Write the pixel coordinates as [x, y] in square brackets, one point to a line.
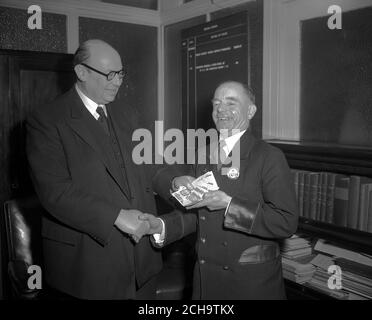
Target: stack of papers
[356, 277]
[298, 270]
[296, 247]
[319, 281]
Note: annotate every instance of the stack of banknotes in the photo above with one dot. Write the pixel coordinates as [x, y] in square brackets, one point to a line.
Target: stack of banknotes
[201, 186]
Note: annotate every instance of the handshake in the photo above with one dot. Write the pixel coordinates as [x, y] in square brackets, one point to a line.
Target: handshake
[137, 224]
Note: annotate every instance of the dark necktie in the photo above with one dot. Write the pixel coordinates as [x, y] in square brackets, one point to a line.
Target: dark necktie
[102, 119]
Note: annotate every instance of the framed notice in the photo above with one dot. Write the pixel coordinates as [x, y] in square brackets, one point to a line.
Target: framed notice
[213, 52]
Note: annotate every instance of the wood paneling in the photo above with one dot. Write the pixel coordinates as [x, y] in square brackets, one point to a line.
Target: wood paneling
[27, 80]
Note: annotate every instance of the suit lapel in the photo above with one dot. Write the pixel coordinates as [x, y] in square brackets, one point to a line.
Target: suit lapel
[82, 122]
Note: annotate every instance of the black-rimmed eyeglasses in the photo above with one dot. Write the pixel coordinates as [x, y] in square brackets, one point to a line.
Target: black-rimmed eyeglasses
[111, 75]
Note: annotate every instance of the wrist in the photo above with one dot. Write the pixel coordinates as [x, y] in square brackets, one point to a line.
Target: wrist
[159, 228]
[118, 218]
[173, 185]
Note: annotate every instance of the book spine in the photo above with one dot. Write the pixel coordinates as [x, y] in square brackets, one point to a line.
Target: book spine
[363, 212]
[341, 201]
[301, 185]
[323, 205]
[369, 219]
[330, 197]
[306, 199]
[354, 200]
[313, 197]
[295, 174]
[319, 196]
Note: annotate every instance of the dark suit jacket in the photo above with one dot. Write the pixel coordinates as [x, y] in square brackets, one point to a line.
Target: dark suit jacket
[263, 210]
[79, 183]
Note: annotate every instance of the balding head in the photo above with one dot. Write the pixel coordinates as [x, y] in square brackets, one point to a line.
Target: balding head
[103, 58]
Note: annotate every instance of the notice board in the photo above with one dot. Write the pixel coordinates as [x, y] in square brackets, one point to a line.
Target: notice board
[212, 52]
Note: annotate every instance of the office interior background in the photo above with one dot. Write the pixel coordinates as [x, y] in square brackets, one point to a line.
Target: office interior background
[309, 64]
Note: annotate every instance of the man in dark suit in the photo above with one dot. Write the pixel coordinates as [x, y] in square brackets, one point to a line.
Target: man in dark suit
[239, 225]
[79, 150]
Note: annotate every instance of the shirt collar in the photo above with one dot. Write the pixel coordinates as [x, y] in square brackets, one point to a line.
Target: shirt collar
[232, 140]
[89, 103]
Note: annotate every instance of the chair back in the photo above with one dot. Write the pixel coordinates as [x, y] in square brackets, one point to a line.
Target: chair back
[24, 245]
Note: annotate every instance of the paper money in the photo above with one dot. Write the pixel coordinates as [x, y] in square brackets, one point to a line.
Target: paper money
[206, 182]
[201, 185]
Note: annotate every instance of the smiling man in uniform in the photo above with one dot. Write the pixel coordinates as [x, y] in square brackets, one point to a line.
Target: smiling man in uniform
[239, 226]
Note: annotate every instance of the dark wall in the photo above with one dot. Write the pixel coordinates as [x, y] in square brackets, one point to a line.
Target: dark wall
[15, 34]
[137, 46]
[336, 80]
[173, 71]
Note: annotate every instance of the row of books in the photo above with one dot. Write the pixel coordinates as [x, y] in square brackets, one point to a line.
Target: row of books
[334, 198]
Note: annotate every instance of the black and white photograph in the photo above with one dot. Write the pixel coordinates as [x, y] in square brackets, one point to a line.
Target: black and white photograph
[185, 158]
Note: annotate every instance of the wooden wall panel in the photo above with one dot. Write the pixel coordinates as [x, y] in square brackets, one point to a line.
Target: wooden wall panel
[27, 80]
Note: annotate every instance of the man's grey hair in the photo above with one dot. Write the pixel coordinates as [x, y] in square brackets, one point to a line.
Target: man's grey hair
[247, 89]
[82, 54]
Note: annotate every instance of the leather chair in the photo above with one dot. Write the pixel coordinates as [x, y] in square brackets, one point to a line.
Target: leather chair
[24, 248]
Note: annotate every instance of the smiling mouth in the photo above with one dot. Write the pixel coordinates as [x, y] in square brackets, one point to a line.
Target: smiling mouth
[224, 118]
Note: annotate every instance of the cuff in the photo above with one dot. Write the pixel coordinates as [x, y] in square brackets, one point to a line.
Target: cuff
[227, 207]
[159, 237]
[241, 214]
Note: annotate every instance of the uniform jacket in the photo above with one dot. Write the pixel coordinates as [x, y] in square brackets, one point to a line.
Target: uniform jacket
[238, 254]
[79, 183]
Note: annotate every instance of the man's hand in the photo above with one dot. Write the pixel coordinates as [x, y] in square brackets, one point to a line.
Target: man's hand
[128, 222]
[185, 181]
[155, 224]
[213, 200]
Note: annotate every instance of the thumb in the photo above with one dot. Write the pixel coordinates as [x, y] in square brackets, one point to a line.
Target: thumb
[144, 216]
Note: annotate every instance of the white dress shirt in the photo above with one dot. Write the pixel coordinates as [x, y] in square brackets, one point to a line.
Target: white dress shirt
[90, 104]
[231, 141]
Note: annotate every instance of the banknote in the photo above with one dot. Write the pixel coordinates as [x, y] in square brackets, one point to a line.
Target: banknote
[206, 182]
[201, 185]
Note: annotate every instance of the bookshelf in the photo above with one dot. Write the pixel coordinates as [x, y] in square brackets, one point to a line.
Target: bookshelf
[346, 160]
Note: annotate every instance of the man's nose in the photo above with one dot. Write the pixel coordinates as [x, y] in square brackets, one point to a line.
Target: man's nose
[221, 107]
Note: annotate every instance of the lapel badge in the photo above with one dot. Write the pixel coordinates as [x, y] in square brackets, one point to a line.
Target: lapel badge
[233, 173]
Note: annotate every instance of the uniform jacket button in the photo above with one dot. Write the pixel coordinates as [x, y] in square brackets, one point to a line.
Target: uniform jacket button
[226, 268]
[202, 261]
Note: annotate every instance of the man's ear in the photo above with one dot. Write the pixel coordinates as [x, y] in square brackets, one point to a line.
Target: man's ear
[81, 72]
[251, 111]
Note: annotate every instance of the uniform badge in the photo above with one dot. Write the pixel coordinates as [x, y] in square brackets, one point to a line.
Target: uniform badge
[233, 173]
